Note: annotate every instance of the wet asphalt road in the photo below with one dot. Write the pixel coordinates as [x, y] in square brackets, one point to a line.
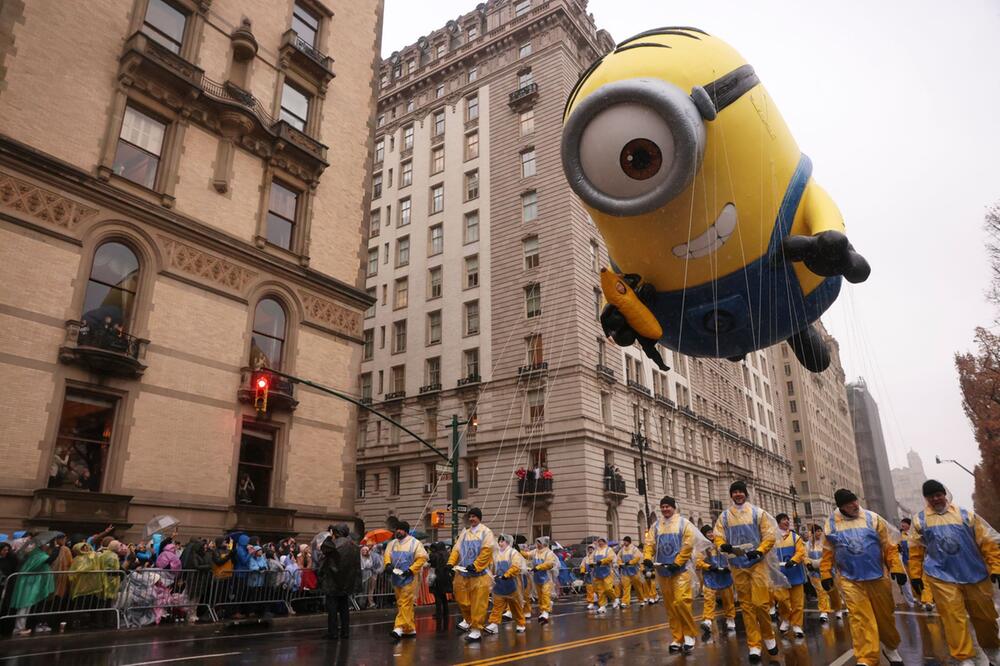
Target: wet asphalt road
[574, 637]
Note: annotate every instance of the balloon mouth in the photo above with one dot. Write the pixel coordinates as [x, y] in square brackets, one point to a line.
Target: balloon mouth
[714, 237]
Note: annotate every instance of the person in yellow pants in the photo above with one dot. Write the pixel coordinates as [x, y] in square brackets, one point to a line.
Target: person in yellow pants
[791, 551]
[543, 566]
[857, 543]
[826, 602]
[471, 557]
[507, 568]
[718, 584]
[924, 595]
[587, 573]
[629, 559]
[406, 557]
[602, 559]
[746, 533]
[957, 554]
[669, 545]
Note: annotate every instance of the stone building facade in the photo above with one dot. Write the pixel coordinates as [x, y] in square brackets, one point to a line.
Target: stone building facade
[486, 273]
[182, 197]
[873, 458]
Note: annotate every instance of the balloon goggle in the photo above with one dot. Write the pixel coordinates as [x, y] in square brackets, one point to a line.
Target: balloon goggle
[657, 130]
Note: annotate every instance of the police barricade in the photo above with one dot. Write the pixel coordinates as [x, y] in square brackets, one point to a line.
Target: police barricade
[254, 593]
[45, 599]
[151, 596]
[377, 592]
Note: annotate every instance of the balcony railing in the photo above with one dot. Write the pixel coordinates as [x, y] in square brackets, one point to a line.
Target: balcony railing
[291, 38]
[687, 410]
[537, 492]
[430, 388]
[715, 505]
[632, 384]
[103, 349]
[280, 391]
[367, 400]
[614, 486]
[468, 381]
[523, 94]
[606, 371]
[263, 520]
[395, 395]
[533, 369]
[664, 400]
[58, 506]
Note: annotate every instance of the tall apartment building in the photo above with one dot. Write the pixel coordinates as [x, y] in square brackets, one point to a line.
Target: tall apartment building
[485, 270]
[907, 483]
[820, 433]
[872, 456]
[182, 188]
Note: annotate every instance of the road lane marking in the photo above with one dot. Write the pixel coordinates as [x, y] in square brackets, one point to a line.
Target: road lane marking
[559, 647]
[842, 659]
[199, 656]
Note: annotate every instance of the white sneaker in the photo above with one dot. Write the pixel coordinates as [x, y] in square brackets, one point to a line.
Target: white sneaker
[508, 615]
[544, 617]
[824, 618]
[674, 647]
[893, 656]
[706, 625]
[463, 625]
[527, 616]
[754, 655]
[839, 615]
[397, 633]
[520, 629]
[602, 610]
[491, 628]
[591, 606]
[689, 643]
[784, 626]
[771, 645]
[730, 625]
[798, 632]
[617, 604]
[474, 635]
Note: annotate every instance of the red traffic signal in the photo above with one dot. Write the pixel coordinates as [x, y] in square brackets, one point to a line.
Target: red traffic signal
[262, 382]
[261, 385]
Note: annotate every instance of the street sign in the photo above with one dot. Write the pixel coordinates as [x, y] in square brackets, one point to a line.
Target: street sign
[443, 469]
[462, 508]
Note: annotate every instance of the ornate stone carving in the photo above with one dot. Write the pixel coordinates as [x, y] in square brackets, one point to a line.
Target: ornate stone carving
[41, 204]
[192, 261]
[331, 315]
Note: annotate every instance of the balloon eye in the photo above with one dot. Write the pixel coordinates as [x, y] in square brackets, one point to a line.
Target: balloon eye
[641, 159]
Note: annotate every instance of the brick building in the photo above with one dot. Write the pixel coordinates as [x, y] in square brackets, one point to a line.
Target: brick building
[182, 195]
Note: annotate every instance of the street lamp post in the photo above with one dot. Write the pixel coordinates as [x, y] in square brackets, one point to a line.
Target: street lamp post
[641, 442]
[455, 440]
[795, 508]
[939, 460]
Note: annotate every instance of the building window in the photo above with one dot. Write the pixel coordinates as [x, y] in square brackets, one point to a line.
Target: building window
[281, 215]
[253, 485]
[472, 271]
[602, 348]
[470, 363]
[473, 71]
[399, 337]
[437, 199]
[524, 51]
[394, 480]
[408, 137]
[401, 293]
[802, 466]
[535, 349]
[369, 346]
[522, 7]
[472, 145]
[435, 240]
[472, 472]
[471, 234]
[406, 174]
[529, 206]
[531, 259]
[524, 78]
[140, 143]
[437, 160]
[111, 291]
[597, 304]
[434, 282]
[527, 122]
[528, 163]
[405, 210]
[798, 446]
[268, 338]
[439, 123]
[606, 408]
[165, 25]
[595, 258]
[434, 328]
[792, 406]
[376, 185]
[411, 67]
[536, 405]
[83, 442]
[471, 107]
[441, 50]
[472, 185]
[533, 300]
[372, 261]
[294, 106]
[305, 24]
[432, 371]
[791, 388]
[380, 121]
[379, 150]
[366, 386]
[796, 427]
[372, 292]
[403, 252]
[397, 378]
[374, 222]
[472, 318]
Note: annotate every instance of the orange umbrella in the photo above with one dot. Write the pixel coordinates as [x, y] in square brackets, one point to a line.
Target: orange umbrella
[377, 536]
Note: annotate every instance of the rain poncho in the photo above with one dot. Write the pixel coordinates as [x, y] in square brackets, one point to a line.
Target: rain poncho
[83, 580]
[860, 547]
[507, 567]
[747, 527]
[107, 561]
[474, 550]
[169, 562]
[954, 546]
[138, 599]
[35, 586]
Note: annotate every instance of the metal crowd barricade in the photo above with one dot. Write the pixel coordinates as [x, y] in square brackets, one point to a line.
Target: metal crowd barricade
[379, 592]
[76, 596]
[255, 592]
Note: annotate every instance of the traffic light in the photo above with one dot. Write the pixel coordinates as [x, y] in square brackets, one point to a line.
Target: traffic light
[261, 385]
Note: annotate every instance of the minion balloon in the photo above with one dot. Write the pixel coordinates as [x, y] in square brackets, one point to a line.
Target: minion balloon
[721, 242]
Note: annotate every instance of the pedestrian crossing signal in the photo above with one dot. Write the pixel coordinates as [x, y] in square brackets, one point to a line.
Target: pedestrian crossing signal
[438, 518]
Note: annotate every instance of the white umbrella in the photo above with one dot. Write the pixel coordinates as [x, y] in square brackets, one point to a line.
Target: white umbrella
[160, 524]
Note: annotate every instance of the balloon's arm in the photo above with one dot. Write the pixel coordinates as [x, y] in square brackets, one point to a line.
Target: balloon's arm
[620, 294]
[820, 213]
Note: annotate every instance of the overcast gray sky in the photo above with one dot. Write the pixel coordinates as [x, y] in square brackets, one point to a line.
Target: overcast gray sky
[896, 104]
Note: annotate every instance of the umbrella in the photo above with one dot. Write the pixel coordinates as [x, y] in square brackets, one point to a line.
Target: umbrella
[418, 535]
[377, 536]
[160, 524]
[46, 537]
[317, 541]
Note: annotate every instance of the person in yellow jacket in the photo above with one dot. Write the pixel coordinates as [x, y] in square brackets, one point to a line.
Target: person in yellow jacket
[669, 545]
[718, 584]
[629, 560]
[957, 554]
[508, 565]
[586, 572]
[926, 600]
[601, 561]
[826, 602]
[746, 534]
[543, 566]
[857, 543]
[471, 557]
[791, 552]
[404, 558]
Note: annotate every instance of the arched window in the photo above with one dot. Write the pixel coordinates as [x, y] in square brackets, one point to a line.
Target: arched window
[612, 520]
[112, 287]
[268, 342]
